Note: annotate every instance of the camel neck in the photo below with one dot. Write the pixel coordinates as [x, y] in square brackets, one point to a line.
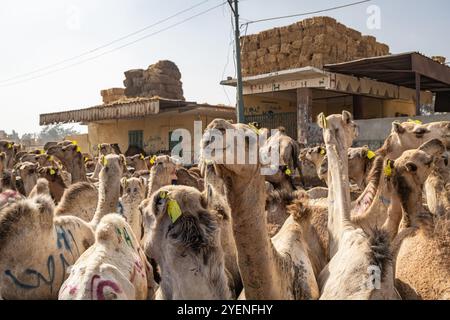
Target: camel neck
[338, 194]
[156, 182]
[108, 198]
[258, 271]
[78, 169]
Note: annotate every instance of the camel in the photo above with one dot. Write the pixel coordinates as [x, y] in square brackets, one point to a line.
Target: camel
[411, 135]
[422, 248]
[189, 178]
[163, 173]
[185, 242]
[113, 268]
[133, 195]
[137, 162]
[9, 148]
[28, 174]
[359, 261]
[41, 188]
[36, 248]
[315, 156]
[282, 268]
[104, 149]
[56, 182]
[72, 159]
[218, 205]
[437, 188]
[360, 162]
[3, 164]
[79, 199]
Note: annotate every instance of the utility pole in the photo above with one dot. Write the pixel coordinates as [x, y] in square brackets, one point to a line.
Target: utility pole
[237, 35]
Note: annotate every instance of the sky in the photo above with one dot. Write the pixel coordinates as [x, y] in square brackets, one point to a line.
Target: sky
[35, 34]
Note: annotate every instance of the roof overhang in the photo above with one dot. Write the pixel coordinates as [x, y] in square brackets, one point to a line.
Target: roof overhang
[398, 69]
[131, 109]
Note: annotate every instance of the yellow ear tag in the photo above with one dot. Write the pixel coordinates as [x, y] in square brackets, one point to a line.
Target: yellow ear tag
[50, 158]
[388, 169]
[288, 172]
[9, 145]
[370, 155]
[78, 149]
[153, 160]
[42, 151]
[322, 151]
[415, 121]
[104, 161]
[86, 159]
[52, 172]
[142, 157]
[174, 210]
[74, 142]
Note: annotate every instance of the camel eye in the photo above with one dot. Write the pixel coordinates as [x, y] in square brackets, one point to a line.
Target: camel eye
[128, 190]
[135, 190]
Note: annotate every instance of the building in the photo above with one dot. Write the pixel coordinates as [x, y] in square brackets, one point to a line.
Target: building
[145, 123]
[292, 74]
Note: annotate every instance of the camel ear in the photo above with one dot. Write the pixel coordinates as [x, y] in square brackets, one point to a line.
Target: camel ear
[123, 160]
[411, 167]
[124, 182]
[347, 116]
[433, 147]
[322, 121]
[397, 127]
[142, 181]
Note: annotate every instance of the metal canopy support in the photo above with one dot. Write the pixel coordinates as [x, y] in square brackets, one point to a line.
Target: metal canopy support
[417, 94]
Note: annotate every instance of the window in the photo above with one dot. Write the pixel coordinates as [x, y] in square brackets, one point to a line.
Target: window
[136, 139]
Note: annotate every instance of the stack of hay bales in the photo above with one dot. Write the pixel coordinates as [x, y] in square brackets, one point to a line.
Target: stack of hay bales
[311, 42]
[161, 79]
[113, 94]
[439, 59]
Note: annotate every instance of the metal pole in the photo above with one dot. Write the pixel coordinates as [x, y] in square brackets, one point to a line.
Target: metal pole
[239, 95]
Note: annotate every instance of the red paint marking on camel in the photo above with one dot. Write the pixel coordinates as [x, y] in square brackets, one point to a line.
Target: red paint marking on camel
[101, 285]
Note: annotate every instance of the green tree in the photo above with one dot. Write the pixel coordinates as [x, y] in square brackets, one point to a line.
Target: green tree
[56, 133]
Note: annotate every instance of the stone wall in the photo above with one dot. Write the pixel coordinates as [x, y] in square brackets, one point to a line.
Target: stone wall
[311, 42]
[161, 79]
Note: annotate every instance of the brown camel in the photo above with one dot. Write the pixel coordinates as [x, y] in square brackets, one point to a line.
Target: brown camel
[56, 182]
[186, 177]
[137, 162]
[28, 174]
[41, 188]
[163, 173]
[422, 248]
[185, 242]
[9, 148]
[437, 188]
[72, 159]
[37, 249]
[282, 268]
[360, 266]
[114, 268]
[80, 200]
[133, 195]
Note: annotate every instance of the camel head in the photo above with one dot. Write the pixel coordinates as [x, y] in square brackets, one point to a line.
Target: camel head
[411, 135]
[44, 160]
[339, 129]
[8, 147]
[133, 190]
[137, 162]
[165, 168]
[28, 172]
[185, 242]
[104, 149]
[413, 167]
[51, 174]
[314, 155]
[113, 166]
[359, 160]
[233, 147]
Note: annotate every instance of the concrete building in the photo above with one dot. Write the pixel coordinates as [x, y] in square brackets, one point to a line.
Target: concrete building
[146, 123]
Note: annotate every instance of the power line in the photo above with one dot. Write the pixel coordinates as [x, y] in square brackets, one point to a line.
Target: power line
[117, 48]
[307, 13]
[104, 45]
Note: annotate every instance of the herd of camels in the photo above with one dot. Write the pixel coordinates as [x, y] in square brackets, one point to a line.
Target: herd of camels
[111, 227]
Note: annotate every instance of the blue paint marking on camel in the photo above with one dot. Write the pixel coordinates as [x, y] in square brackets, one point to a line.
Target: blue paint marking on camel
[38, 276]
[61, 238]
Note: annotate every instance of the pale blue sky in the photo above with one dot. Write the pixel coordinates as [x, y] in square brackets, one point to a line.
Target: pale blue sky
[38, 33]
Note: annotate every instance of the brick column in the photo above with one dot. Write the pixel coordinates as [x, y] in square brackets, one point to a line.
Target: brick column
[304, 113]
